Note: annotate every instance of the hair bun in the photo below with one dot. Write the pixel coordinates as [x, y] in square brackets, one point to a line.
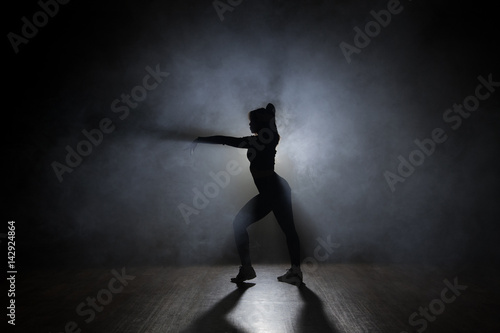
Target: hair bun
[270, 108]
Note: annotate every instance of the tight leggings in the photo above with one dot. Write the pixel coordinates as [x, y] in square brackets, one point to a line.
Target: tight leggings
[274, 195]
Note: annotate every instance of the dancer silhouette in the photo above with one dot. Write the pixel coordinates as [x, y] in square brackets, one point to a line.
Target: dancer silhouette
[274, 192]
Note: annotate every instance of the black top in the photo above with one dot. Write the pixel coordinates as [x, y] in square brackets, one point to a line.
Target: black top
[261, 149]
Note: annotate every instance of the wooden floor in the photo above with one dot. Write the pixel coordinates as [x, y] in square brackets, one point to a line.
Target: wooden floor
[336, 298]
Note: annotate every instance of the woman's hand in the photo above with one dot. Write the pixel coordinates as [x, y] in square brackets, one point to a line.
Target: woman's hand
[192, 146]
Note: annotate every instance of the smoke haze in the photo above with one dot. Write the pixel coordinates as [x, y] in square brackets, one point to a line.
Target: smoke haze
[342, 125]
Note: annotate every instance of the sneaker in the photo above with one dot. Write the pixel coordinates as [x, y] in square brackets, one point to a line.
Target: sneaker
[292, 276]
[246, 273]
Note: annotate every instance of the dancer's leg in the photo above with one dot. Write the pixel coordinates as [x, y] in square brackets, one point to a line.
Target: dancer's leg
[253, 211]
[283, 212]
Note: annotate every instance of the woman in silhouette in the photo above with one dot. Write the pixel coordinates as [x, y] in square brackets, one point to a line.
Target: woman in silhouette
[274, 192]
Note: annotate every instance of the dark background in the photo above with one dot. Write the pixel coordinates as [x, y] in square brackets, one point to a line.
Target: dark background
[342, 126]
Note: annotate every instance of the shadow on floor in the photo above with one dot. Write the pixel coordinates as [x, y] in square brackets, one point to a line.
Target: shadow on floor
[214, 320]
[312, 317]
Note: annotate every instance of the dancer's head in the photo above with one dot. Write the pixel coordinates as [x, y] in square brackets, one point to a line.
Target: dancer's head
[262, 118]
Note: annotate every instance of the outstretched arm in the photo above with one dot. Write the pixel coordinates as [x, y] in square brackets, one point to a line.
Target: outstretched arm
[224, 140]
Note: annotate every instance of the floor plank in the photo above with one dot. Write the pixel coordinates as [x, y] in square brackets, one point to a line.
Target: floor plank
[343, 298]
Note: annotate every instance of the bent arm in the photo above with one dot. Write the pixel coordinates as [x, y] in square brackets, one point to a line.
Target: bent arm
[224, 140]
